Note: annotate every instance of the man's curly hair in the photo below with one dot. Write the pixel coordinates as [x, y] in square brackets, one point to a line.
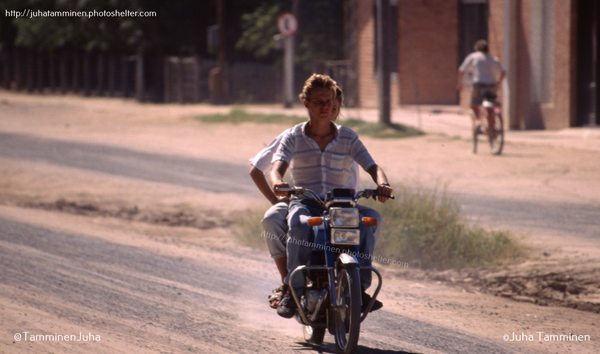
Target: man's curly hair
[317, 81]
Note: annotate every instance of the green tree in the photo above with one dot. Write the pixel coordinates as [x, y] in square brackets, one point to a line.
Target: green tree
[319, 35]
[258, 30]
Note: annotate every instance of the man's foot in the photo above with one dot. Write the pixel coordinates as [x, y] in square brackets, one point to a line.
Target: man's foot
[366, 298]
[275, 297]
[287, 305]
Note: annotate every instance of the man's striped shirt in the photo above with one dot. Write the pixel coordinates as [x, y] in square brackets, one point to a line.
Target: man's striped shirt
[319, 170]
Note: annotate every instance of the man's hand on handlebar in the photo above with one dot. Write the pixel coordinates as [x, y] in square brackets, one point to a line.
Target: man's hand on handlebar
[281, 189]
[384, 192]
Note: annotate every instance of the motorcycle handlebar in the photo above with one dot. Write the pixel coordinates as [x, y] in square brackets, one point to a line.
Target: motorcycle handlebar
[291, 190]
[370, 193]
[366, 193]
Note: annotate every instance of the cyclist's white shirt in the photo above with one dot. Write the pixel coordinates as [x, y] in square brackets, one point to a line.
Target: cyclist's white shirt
[263, 159]
[485, 68]
[325, 170]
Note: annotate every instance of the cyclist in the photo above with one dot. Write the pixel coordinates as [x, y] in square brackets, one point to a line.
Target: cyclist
[487, 73]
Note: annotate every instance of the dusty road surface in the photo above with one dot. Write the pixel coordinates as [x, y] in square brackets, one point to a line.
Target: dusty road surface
[117, 219]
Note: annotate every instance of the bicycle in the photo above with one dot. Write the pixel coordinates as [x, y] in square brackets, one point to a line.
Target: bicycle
[481, 125]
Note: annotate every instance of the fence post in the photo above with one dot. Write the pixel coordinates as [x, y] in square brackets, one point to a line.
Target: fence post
[100, 75]
[111, 75]
[63, 71]
[139, 76]
[76, 71]
[87, 84]
[4, 69]
[17, 64]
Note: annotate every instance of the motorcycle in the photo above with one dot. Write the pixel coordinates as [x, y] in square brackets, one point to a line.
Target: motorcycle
[332, 299]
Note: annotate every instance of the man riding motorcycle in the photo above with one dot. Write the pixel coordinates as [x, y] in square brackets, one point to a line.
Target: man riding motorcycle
[274, 222]
[321, 154]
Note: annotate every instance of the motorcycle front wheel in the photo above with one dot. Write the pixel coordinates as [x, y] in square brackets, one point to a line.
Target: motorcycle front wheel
[347, 310]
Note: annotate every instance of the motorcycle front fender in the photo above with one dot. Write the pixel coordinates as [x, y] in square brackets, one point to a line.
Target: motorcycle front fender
[347, 259]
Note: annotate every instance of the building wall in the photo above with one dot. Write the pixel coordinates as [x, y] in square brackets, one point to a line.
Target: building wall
[562, 113]
[428, 57]
[428, 51]
[365, 62]
[556, 111]
[367, 92]
[496, 27]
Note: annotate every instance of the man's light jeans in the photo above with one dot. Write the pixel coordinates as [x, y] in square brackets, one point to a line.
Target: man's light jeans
[299, 235]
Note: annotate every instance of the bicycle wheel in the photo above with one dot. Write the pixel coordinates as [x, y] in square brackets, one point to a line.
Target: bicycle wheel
[496, 136]
[475, 131]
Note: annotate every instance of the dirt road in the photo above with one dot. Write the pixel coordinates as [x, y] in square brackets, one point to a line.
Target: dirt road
[115, 220]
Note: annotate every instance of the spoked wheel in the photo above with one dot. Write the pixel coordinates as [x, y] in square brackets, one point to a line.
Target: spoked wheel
[496, 136]
[314, 335]
[475, 131]
[347, 311]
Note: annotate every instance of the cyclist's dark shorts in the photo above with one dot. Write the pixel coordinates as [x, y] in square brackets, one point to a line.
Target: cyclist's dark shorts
[479, 91]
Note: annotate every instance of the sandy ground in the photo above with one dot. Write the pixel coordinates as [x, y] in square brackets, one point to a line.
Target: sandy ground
[45, 194]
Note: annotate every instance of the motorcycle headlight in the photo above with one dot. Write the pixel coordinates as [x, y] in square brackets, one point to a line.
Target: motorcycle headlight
[345, 236]
[343, 217]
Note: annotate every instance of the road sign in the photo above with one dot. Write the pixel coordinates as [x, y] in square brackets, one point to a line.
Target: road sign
[287, 24]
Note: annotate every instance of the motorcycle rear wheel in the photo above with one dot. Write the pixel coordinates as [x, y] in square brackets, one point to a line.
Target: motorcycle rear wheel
[347, 313]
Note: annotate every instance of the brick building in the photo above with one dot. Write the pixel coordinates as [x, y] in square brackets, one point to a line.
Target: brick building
[550, 49]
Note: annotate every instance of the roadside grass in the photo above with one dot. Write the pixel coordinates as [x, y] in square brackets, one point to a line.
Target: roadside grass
[392, 131]
[423, 229]
[248, 230]
[238, 115]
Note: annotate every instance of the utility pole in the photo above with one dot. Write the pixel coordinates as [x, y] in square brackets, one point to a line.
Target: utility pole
[287, 24]
[383, 61]
[288, 71]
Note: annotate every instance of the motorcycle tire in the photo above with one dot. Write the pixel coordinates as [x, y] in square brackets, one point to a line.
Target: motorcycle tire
[348, 297]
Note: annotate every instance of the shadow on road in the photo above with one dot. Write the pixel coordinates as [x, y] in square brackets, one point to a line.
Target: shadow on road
[118, 161]
[330, 348]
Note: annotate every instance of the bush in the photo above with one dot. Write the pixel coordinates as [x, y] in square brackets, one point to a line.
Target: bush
[426, 229]
[248, 230]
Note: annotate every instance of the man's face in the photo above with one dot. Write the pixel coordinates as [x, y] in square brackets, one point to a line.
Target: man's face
[320, 104]
[335, 111]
